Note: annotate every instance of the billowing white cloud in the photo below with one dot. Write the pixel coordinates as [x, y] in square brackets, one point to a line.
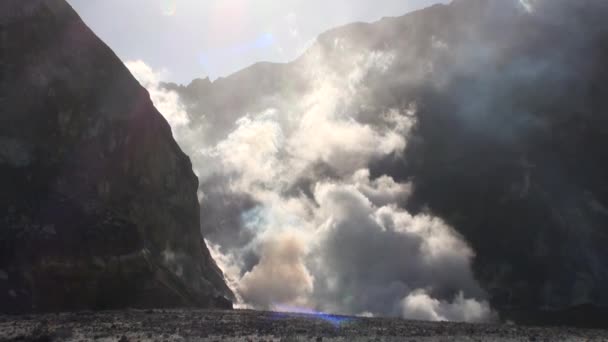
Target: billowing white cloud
[281, 277]
[418, 305]
[381, 191]
[370, 257]
[298, 220]
[167, 102]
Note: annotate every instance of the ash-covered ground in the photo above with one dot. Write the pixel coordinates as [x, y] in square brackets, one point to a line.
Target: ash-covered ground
[245, 325]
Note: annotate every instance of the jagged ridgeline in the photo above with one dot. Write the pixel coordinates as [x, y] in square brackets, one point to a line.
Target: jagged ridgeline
[508, 146]
[98, 204]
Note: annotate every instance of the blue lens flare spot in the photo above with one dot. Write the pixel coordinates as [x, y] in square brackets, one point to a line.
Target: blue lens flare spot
[288, 311]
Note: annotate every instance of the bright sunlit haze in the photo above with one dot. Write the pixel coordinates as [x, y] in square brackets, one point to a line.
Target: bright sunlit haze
[214, 38]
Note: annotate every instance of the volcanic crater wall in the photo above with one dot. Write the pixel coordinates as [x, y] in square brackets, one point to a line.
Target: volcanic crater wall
[98, 204]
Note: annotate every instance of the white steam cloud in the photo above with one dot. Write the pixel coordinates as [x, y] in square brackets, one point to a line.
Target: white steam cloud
[166, 102]
[420, 306]
[295, 218]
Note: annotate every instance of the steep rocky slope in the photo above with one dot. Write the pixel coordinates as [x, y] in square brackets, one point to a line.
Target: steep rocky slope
[508, 99]
[98, 204]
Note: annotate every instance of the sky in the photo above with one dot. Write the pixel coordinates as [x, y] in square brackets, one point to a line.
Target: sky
[189, 39]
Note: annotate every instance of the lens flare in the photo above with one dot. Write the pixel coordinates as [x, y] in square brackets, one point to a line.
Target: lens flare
[526, 5]
[282, 311]
[168, 8]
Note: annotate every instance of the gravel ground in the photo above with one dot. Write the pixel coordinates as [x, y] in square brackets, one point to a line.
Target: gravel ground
[249, 326]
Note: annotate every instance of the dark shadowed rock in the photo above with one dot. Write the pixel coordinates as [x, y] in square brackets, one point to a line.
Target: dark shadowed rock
[98, 205]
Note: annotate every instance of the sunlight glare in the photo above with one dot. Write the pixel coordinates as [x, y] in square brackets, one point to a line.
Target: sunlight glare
[168, 8]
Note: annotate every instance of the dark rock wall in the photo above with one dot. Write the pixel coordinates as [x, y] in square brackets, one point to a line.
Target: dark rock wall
[98, 204]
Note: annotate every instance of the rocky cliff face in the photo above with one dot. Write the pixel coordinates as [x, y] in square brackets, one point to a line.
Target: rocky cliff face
[509, 142]
[98, 206]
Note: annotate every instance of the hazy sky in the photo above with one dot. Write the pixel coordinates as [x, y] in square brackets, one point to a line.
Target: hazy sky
[197, 38]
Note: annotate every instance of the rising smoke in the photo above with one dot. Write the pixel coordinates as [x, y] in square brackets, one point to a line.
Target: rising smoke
[294, 219]
[294, 207]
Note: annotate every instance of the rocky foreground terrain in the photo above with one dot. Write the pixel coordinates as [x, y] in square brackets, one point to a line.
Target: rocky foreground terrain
[245, 325]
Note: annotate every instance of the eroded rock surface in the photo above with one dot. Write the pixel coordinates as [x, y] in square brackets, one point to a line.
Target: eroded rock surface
[98, 204]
